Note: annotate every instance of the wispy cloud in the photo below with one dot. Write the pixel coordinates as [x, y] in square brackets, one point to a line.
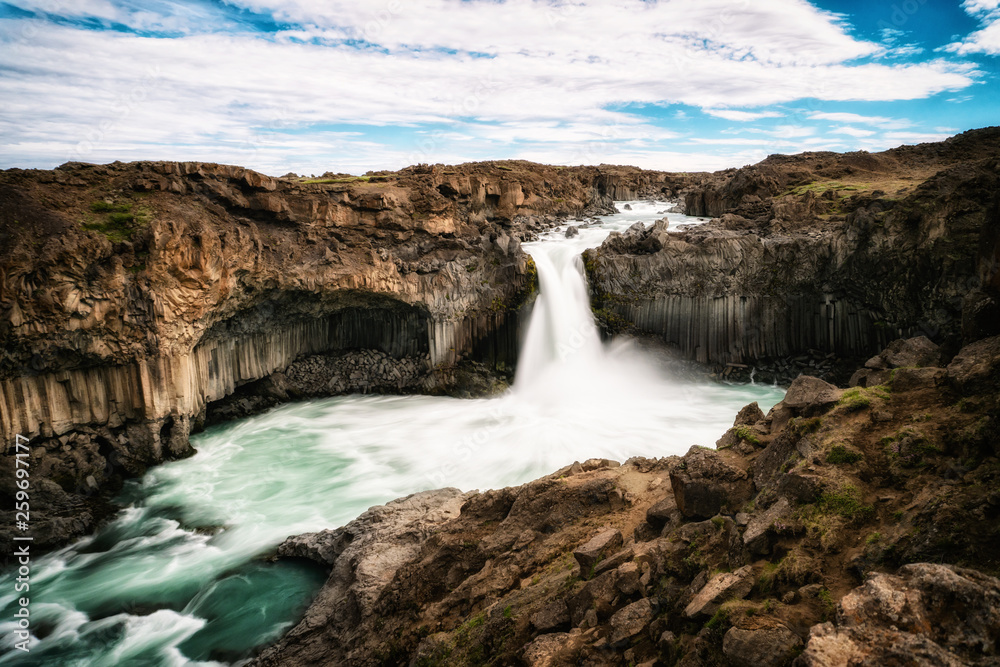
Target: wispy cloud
[742, 116]
[281, 83]
[986, 40]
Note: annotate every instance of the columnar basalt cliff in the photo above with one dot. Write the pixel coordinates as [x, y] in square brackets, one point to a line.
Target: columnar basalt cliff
[832, 253]
[846, 527]
[135, 298]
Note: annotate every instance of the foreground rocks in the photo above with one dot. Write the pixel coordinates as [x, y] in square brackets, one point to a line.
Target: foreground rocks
[845, 527]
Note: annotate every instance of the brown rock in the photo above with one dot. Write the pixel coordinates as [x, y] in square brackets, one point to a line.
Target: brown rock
[768, 647]
[749, 415]
[910, 379]
[551, 617]
[756, 537]
[599, 546]
[809, 393]
[928, 613]
[705, 483]
[721, 588]
[630, 621]
[976, 368]
[918, 351]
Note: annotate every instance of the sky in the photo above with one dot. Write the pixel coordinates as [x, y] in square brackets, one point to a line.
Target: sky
[309, 86]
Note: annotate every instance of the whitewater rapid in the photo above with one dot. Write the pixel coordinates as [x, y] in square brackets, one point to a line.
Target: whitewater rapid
[175, 579]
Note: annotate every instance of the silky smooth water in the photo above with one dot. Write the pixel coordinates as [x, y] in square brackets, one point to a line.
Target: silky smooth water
[175, 579]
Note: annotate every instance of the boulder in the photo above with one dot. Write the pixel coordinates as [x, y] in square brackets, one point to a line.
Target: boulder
[572, 231]
[756, 538]
[721, 588]
[911, 379]
[596, 548]
[766, 647]
[809, 393]
[630, 621]
[918, 351]
[551, 617]
[749, 415]
[705, 483]
[547, 650]
[976, 368]
[663, 512]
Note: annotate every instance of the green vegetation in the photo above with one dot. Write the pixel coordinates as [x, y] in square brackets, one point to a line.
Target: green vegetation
[718, 522]
[846, 502]
[842, 455]
[116, 221]
[801, 426]
[908, 447]
[101, 206]
[859, 398]
[829, 606]
[746, 433]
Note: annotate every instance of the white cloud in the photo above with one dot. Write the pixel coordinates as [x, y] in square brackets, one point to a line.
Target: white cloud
[873, 121]
[732, 114]
[852, 131]
[986, 40]
[553, 74]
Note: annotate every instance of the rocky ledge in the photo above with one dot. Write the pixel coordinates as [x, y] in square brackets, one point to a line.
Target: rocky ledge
[138, 301]
[851, 526]
[816, 261]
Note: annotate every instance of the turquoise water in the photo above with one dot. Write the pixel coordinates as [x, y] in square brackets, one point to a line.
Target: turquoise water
[177, 578]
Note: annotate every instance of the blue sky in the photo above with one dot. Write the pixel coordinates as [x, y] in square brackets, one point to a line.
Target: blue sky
[309, 87]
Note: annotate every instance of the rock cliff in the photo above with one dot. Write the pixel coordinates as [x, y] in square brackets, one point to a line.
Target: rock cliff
[822, 252]
[139, 300]
[846, 527]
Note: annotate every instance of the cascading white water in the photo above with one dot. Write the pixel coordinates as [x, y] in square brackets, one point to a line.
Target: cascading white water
[172, 580]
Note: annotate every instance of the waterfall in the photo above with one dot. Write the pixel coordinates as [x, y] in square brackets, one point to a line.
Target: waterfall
[562, 342]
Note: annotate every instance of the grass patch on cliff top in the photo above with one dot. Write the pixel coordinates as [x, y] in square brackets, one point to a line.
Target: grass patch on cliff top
[859, 398]
[117, 221]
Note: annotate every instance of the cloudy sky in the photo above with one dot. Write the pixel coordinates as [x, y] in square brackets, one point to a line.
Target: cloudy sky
[310, 86]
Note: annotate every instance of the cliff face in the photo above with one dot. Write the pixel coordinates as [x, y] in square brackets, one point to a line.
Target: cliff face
[135, 297]
[837, 253]
[841, 528]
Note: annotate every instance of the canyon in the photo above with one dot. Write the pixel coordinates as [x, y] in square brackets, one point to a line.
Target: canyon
[141, 302]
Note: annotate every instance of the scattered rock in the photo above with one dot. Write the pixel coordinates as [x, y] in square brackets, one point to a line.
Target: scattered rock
[976, 368]
[749, 415]
[630, 621]
[809, 393]
[552, 616]
[721, 588]
[756, 536]
[704, 484]
[918, 351]
[596, 548]
[767, 647]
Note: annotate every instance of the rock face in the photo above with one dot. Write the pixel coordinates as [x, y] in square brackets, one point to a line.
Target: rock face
[139, 300]
[826, 552]
[927, 614]
[820, 252]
